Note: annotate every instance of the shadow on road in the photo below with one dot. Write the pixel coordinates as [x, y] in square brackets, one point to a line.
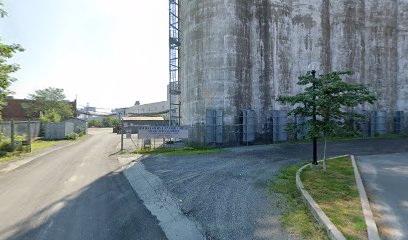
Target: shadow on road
[91, 213]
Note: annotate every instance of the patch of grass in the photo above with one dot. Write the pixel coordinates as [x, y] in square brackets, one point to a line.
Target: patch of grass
[337, 194]
[40, 144]
[35, 146]
[178, 151]
[296, 217]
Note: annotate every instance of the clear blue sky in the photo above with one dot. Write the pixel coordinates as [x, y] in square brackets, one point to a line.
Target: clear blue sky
[108, 52]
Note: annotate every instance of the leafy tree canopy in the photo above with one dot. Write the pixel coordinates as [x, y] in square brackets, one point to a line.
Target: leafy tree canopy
[50, 104]
[106, 122]
[331, 99]
[6, 68]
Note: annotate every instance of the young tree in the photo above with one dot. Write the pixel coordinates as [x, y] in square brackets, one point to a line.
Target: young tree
[50, 104]
[330, 99]
[6, 53]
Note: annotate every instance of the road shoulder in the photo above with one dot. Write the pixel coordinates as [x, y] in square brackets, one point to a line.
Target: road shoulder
[16, 163]
[159, 201]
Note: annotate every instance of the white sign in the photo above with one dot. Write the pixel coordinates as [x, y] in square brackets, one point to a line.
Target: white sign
[163, 132]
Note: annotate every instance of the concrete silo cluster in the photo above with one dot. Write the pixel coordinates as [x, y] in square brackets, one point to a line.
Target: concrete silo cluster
[237, 56]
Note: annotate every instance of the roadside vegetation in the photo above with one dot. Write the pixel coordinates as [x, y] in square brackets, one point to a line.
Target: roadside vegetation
[35, 146]
[106, 122]
[49, 105]
[179, 151]
[296, 217]
[21, 151]
[337, 194]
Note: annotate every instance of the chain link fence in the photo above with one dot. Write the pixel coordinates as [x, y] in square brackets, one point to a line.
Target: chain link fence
[275, 128]
[17, 135]
[132, 142]
[20, 128]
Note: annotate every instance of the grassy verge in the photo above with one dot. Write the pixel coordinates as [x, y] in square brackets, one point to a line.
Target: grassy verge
[35, 146]
[40, 144]
[178, 151]
[337, 195]
[296, 217]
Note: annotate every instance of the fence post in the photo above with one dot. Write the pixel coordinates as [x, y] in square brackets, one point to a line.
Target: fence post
[29, 136]
[12, 140]
[121, 136]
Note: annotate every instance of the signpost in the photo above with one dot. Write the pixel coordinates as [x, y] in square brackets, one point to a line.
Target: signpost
[168, 132]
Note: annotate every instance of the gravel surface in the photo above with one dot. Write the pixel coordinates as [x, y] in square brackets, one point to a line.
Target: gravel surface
[228, 192]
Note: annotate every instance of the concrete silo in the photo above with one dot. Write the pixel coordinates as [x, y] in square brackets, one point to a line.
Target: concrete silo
[237, 56]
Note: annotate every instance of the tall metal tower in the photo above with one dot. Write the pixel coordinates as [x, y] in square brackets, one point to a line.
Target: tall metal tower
[174, 67]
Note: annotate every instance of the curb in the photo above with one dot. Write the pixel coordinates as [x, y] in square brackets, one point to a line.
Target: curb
[317, 212]
[322, 218]
[160, 202]
[372, 230]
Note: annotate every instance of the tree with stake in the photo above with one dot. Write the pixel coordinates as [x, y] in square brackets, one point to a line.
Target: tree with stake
[329, 99]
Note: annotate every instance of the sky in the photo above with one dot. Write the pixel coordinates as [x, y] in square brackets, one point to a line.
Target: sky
[108, 53]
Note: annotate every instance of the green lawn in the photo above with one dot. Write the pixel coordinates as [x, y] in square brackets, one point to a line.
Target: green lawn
[35, 146]
[178, 151]
[337, 195]
[296, 217]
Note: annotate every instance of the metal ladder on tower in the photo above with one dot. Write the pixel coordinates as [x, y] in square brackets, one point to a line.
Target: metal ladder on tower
[174, 88]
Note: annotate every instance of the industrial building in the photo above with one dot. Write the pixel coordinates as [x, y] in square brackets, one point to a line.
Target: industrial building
[235, 57]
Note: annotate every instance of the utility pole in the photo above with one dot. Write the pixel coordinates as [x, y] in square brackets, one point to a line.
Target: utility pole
[121, 136]
[314, 120]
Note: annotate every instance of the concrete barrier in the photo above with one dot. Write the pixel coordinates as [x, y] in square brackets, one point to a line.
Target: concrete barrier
[322, 218]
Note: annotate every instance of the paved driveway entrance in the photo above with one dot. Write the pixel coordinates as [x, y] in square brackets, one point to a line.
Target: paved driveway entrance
[386, 177]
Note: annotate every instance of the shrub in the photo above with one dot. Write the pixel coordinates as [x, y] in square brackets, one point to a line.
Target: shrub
[5, 145]
[72, 136]
[80, 131]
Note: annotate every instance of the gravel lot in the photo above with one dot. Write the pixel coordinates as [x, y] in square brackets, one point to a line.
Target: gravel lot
[228, 192]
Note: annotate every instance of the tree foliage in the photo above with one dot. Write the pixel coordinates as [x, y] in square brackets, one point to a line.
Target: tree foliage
[50, 104]
[106, 122]
[6, 68]
[331, 99]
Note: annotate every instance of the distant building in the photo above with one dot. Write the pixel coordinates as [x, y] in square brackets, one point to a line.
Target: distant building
[16, 109]
[149, 109]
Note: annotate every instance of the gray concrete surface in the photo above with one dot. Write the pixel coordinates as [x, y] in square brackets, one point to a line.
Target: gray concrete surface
[243, 54]
[386, 179]
[227, 193]
[74, 193]
[161, 203]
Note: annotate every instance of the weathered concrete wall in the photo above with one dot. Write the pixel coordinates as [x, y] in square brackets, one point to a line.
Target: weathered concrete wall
[402, 84]
[239, 54]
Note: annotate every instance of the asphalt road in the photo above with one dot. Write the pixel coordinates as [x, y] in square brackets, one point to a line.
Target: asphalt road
[386, 178]
[74, 193]
[227, 193]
